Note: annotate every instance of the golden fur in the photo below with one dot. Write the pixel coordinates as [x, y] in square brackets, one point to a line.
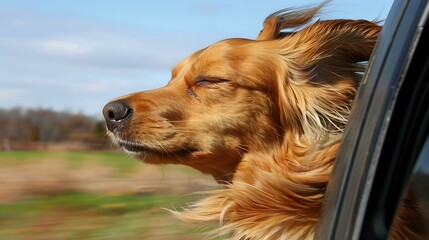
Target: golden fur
[264, 117]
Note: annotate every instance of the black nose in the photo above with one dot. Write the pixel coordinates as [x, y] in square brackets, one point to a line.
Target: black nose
[115, 113]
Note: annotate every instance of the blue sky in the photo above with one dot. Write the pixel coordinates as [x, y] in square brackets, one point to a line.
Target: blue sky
[76, 55]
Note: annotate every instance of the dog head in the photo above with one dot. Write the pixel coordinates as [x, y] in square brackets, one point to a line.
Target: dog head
[241, 96]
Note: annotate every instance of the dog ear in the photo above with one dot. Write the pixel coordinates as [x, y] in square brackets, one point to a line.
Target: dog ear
[287, 18]
[333, 50]
[321, 73]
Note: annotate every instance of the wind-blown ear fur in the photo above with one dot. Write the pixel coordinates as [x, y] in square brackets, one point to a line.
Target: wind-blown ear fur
[322, 69]
[287, 18]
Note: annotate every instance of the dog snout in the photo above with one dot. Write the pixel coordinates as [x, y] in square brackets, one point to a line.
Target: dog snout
[116, 113]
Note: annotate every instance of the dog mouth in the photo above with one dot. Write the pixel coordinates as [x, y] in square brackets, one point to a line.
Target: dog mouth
[137, 148]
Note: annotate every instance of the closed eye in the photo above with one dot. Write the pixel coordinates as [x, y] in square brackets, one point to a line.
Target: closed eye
[204, 82]
[209, 83]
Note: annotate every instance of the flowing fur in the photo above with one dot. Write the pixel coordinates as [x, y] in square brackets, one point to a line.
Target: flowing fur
[278, 194]
[264, 117]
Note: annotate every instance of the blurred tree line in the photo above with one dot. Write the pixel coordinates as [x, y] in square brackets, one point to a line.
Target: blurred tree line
[46, 125]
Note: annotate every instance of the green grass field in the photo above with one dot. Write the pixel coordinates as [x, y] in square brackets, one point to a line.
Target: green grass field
[72, 195]
[117, 160]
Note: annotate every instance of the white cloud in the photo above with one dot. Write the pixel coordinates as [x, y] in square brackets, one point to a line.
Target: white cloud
[20, 22]
[64, 47]
[9, 93]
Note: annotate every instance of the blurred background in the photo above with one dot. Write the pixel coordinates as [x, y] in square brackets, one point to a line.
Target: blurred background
[60, 62]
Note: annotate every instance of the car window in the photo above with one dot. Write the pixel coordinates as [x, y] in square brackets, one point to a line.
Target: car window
[418, 186]
[380, 144]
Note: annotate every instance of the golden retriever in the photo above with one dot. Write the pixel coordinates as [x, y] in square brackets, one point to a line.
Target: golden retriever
[264, 117]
